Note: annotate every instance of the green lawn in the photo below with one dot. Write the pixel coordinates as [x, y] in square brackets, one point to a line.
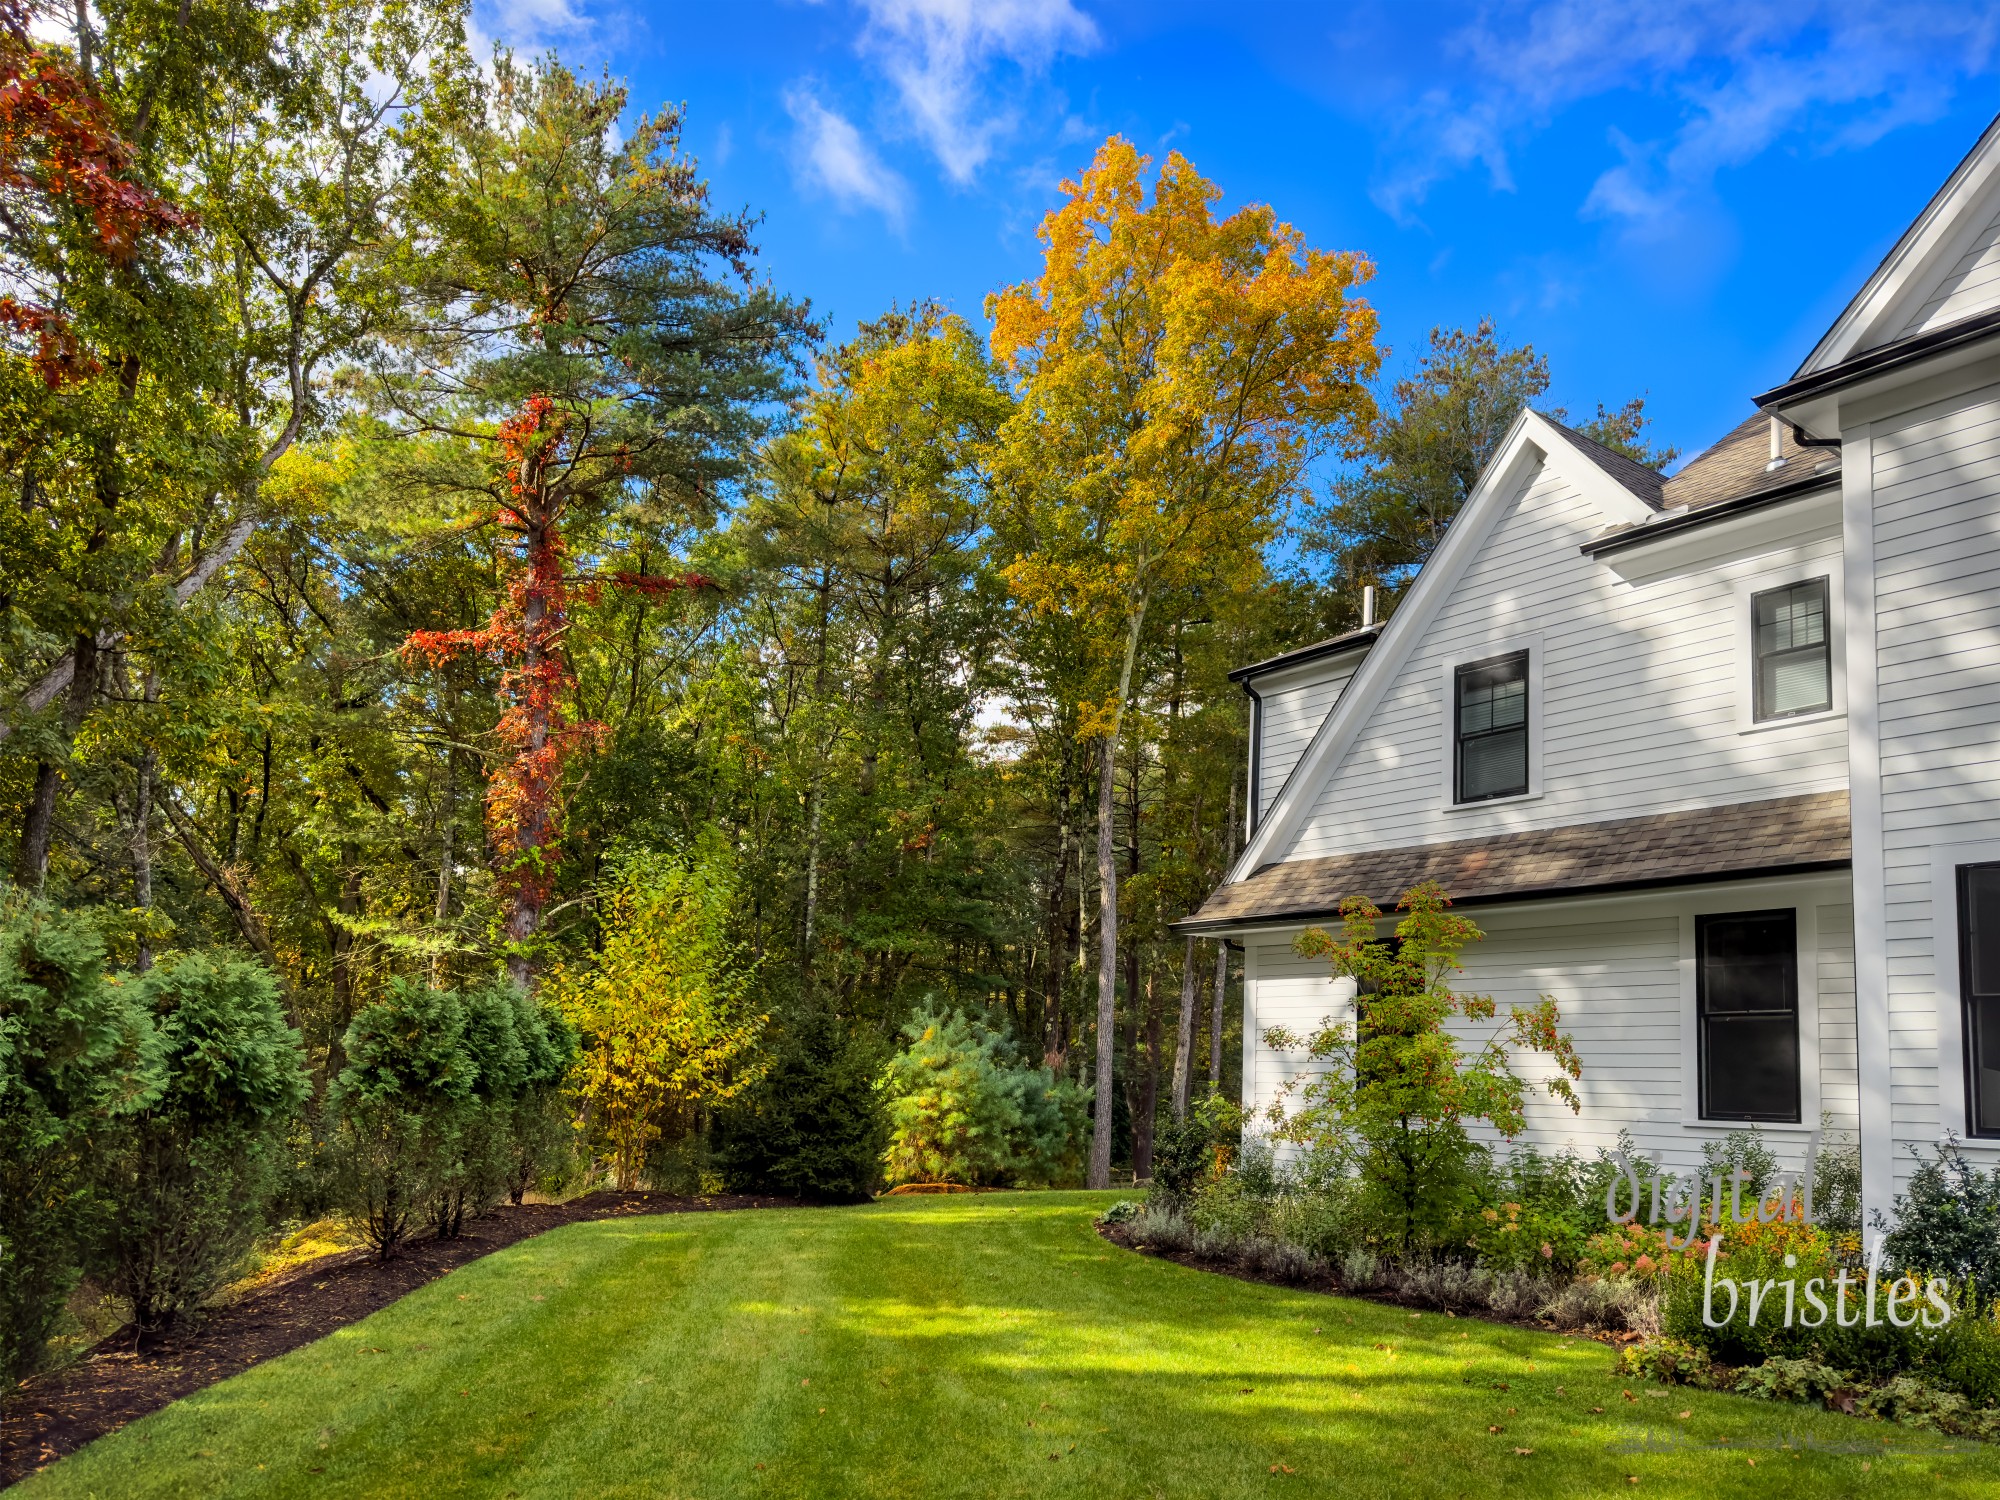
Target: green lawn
[976, 1346]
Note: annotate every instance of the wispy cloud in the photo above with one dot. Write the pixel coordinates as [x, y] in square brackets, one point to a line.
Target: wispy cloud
[938, 53]
[527, 25]
[1747, 75]
[831, 157]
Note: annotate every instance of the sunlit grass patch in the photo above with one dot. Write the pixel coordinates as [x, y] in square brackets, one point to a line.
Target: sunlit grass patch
[984, 1345]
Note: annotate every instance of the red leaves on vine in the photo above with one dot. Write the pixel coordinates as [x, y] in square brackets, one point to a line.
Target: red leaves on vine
[524, 636]
[58, 144]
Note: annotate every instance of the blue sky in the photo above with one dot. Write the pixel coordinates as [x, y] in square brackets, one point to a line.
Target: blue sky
[1665, 198]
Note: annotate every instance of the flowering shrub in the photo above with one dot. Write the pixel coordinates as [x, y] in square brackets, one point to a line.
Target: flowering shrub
[1514, 1237]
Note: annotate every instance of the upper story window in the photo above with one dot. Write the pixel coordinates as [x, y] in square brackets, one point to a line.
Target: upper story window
[1490, 701]
[1747, 1009]
[1794, 650]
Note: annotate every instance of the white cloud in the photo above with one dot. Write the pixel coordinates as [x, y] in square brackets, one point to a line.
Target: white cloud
[526, 25]
[831, 156]
[937, 52]
[1747, 75]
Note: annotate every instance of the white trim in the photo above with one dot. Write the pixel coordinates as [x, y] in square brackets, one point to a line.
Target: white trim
[1746, 589]
[1522, 454]
[1874, 1076]
[1485, 650]
[1929, 248]
[1949, 994]
[1805, 915]
[1252, 1043]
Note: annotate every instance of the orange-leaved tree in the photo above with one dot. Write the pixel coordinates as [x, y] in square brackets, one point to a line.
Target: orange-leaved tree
[1176, 374]
[588, 347]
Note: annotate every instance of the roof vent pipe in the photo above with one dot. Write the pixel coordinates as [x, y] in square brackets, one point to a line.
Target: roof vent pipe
[1777, 452]
[1368, 607]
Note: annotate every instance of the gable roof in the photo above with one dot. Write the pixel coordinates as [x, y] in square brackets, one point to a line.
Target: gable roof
[1937, 274]
[1790, 835]
[1531, 441]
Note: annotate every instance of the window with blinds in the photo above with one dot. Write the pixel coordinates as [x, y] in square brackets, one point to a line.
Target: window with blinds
[1979, 979]
[1491, 700]
[1747, 1009]
[1794, 650]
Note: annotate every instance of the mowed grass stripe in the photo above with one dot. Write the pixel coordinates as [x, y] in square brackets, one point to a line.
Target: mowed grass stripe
[675, 1356]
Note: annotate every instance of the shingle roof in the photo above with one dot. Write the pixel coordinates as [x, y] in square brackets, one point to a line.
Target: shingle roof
[1735, 466]
[1709, 843]
[1646, 483]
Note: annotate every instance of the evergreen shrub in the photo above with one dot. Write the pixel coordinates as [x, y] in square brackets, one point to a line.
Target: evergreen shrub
[184, 1181]
[814, 1126]
[76, 1053]
[963, 1108]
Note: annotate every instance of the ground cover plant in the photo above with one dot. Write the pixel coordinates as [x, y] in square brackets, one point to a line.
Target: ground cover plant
[979, 1345]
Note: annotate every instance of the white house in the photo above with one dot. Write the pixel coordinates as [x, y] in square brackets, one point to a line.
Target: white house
[1714, 760]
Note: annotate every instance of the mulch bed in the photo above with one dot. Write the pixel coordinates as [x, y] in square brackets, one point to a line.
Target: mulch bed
[1121, 1236]
[57, 1413]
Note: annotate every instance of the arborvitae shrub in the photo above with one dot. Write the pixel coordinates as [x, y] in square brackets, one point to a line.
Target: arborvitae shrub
[75, 1053]
[402, 1104]
[185, 1180]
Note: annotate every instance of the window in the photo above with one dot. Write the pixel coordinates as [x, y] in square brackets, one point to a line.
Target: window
[1979, 979]
[1747, 1008]
[1794, 650]
[1491, 704]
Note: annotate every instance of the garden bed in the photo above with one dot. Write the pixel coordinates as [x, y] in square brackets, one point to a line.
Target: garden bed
[1327, 1283]
[57, 1413]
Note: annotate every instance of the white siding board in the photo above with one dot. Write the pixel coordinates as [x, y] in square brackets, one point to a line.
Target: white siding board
[1641, 698]
[1937, 630]
[1971, 286]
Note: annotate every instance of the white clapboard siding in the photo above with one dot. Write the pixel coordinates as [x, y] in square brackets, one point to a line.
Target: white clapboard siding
[1642, 694]
[1295, 704]
[1971, 286]
[1839, 1058]
[1937, 638]
[1617, 981]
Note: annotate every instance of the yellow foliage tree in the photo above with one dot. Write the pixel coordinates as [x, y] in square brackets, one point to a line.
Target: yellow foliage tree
[1176, 373]
[662, 1013]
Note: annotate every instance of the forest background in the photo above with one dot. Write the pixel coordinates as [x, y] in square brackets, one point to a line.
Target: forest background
[423, 522]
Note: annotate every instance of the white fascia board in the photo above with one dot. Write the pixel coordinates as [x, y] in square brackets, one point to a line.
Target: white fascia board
[1930, 247]
[1517, 459]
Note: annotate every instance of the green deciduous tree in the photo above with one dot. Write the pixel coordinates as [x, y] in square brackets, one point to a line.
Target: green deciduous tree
[1395, 1090]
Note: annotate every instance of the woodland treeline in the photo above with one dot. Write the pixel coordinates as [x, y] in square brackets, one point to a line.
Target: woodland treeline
[420, 507]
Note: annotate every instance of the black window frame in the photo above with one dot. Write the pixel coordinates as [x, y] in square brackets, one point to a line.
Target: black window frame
[1459, 736]
[1759, 713]
[1969, 1004]
[1708, 1025]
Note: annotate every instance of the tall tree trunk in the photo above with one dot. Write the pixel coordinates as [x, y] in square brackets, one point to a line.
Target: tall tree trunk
[1107, 963]
[1147, 1107]
[1221, 957]
[1054, 1038]
[447, 817]
[142, 834]
[529, 884]
[31, 869]
[1107, 912]
[812, 873]
[1184, 1034]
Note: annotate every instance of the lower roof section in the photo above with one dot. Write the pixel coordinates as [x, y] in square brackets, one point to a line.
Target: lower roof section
[1782, 836]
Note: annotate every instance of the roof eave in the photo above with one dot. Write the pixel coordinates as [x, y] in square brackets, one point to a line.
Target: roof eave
[1354, 640]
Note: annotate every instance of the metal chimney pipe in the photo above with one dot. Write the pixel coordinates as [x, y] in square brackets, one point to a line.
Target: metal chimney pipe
[1368, 607]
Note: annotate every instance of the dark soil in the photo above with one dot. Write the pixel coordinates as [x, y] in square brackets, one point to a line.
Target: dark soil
[59, 1412]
